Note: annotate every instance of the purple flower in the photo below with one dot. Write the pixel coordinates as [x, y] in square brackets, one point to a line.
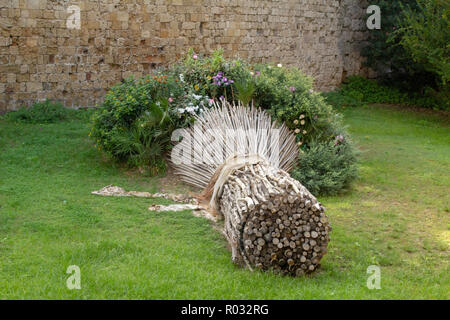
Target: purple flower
[292, 89]
[257, 73]
[220, 80]
[222, 98]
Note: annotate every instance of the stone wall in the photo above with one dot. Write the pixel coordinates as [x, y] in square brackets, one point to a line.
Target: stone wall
[41, 57]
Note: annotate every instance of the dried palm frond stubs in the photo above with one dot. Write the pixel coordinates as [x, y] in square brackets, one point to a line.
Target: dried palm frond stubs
[226, 130]
[270, 220]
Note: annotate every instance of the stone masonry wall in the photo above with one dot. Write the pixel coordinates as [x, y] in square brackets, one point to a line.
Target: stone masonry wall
[40, 57]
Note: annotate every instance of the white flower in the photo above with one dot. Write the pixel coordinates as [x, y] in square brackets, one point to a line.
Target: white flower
[181, 77]
[181, 110]
[190, 109]
[311, 91]
[279, 65]
[196, 97]
[252, 73]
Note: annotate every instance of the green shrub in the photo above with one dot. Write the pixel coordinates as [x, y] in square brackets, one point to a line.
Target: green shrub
[370, 91]
[338, 99]
[41, 112]
[144, 143]
[327, 167]
[135, 119]
[424, 34]
[356, 91]
[287, 94]
[393, 65]
[410, 51]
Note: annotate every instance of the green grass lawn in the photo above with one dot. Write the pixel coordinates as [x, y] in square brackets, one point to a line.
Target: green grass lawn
[396, 216]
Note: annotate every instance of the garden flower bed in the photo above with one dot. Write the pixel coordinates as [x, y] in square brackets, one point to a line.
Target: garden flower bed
[135, 123]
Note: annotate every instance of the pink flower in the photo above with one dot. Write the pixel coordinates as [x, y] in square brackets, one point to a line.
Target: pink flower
[170, 99]
[195, 57]
[339, 139]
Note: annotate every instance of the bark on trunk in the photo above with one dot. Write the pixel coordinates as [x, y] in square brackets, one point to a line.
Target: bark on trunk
[272, 221]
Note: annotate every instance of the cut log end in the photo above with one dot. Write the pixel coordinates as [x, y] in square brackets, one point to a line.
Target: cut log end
[272, 221]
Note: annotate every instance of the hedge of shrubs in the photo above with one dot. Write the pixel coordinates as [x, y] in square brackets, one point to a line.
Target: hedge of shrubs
[356, 91]
[43, 112]
[411, 50]
[135, 122]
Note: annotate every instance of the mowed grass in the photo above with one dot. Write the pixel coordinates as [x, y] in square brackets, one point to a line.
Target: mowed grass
[395, 217]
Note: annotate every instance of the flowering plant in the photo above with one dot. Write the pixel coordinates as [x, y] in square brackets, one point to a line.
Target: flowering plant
[193, 104]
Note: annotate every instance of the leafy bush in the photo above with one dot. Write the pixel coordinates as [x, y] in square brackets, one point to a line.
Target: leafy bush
[288, 95]
[41, 112]
[411, 50]
[424, 34]
[357, 90]
[144, 143]
[134, 121]
[338, 99]
[327, 167]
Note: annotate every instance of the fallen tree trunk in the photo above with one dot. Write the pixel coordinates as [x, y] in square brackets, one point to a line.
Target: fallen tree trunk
[272, 221]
